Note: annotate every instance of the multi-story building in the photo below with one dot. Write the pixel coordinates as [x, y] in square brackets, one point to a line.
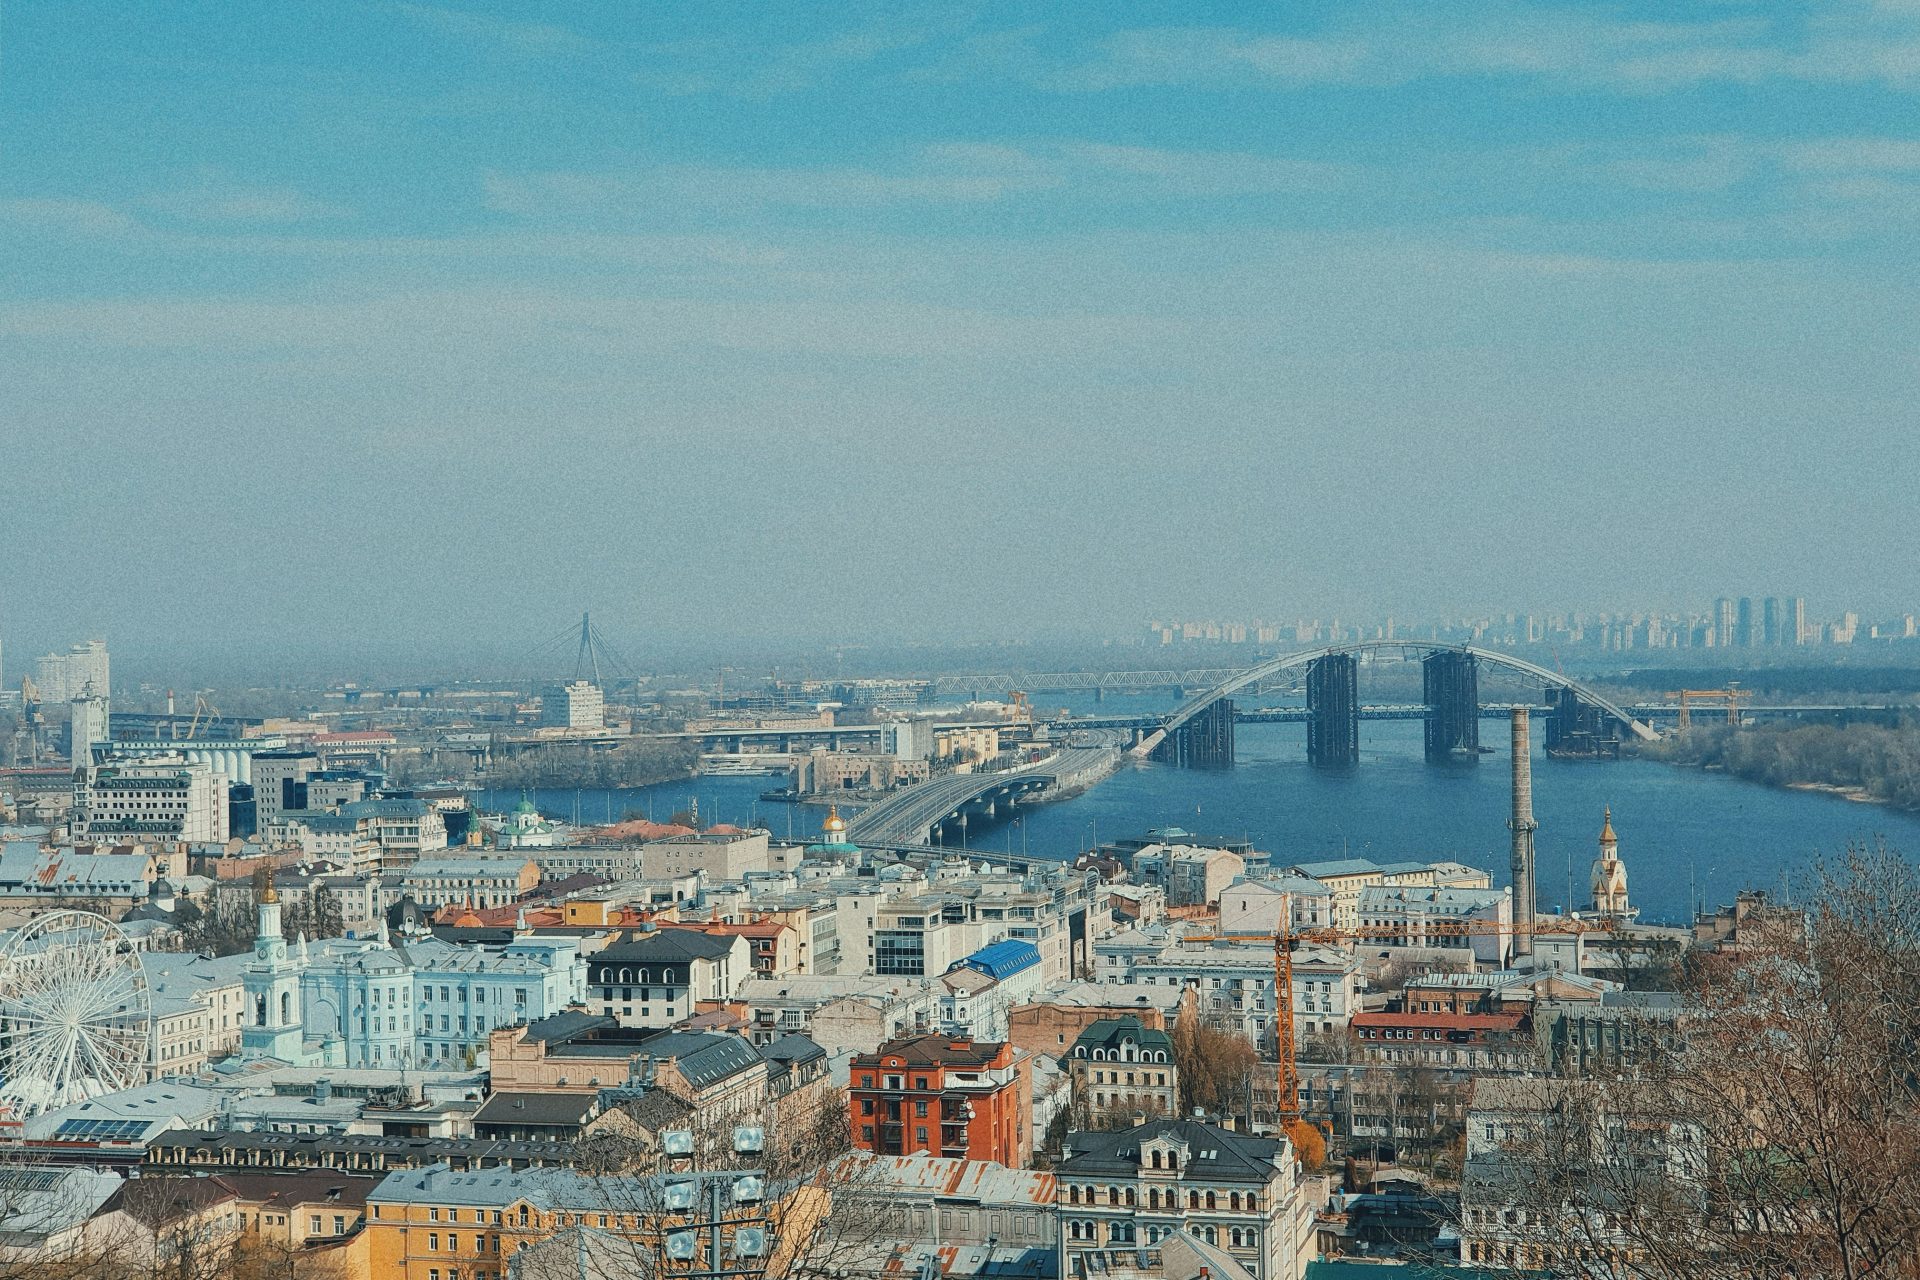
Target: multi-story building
[61, 677]
[1233, 986]
[1515, 1127]
[1432, 918]
[34, 877]
[152, 799]
[977, 991]
[945, 1096]
[1192, 875]
[475, 882]
[850, 1012]
[773, 947]
[1475, 1041]
[1255, 907]
[439, 1224]
[655, 977]
[199, 1005]
[1121, 1064]
[363, 1002]
[579, 704]
[718, 856]
[1123, 1190]
[280, 783]
[927, 1205]
[87, 725]
[921, 935]
[1347, 878]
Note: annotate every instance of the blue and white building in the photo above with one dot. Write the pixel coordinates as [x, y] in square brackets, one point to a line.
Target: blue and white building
[375, 1002]
[978, 990]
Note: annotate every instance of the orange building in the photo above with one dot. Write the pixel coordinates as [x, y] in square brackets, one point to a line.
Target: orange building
[945, 1095]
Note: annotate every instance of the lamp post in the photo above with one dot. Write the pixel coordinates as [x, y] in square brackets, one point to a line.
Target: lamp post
[707, 1243]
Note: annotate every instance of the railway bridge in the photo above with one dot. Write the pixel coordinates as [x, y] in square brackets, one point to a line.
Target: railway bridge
[1200, 731]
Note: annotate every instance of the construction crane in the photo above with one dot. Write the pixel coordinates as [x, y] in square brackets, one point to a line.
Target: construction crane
[200, 707]
[1286, 937]
[1732, 695]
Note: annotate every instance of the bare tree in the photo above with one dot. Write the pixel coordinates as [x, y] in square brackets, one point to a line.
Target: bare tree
[1777, 1135]
[823, 1208]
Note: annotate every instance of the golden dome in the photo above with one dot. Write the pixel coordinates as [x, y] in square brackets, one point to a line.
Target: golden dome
[1606, 829]
[834, 823]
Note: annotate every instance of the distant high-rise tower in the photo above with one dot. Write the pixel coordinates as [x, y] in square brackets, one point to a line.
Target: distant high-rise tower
[1770, 611]
[87, 723]
[1722, 622]
[1797, 620]
[1743, 623]
[1523, 827]
[1610, 875]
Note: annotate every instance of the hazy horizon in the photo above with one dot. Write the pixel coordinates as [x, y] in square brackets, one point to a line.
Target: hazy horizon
[392, 330]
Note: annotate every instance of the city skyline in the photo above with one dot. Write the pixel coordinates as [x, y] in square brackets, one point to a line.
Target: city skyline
[354, 321]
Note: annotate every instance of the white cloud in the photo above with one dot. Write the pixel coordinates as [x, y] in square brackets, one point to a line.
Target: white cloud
[72, 217]
[227, 203]
[1558, 48]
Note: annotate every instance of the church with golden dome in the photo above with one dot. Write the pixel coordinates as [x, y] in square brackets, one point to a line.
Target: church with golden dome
[1609, 880]
[833, 835]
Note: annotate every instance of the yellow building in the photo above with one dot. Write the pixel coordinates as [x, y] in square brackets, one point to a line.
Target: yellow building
[439, 1224]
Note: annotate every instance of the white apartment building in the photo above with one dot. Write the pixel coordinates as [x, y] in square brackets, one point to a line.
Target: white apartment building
[1255, 907]
[151, 799]
[577, 705]
[61, 677]
[1434, 917]
[1234, 985]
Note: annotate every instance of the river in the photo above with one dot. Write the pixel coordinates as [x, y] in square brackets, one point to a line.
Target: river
[1682, 831]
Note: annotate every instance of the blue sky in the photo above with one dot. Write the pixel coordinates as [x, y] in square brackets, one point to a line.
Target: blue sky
[328, 321]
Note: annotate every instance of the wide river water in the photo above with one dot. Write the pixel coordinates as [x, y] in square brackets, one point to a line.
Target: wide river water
[1682, 831]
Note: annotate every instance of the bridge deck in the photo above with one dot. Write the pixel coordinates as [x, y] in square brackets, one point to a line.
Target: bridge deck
[908, 815]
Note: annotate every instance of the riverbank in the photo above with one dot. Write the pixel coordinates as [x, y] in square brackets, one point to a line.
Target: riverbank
[1863, 763]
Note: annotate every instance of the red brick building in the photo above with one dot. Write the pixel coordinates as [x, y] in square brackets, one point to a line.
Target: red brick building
[945, 1095]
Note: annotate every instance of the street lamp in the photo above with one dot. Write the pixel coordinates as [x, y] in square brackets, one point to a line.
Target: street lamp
[735, 1246]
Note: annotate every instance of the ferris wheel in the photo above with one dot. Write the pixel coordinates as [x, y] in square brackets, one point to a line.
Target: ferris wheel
[75, 1013]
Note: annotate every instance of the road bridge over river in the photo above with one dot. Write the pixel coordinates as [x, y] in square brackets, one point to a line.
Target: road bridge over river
[926, 814]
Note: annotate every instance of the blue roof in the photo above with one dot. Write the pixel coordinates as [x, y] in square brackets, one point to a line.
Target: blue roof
[1001, 960]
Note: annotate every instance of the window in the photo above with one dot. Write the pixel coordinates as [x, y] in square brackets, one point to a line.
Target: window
[339, 1225]
[433, 1241]
[433, 1214]
[313, 1224]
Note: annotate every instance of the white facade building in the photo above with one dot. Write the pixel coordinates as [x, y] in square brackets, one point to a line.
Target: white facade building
[578, 705]
[150, 799]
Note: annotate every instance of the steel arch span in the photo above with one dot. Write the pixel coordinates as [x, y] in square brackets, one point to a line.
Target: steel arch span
[1253, 675]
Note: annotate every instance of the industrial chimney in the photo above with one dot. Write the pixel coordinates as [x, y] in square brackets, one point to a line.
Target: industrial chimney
[1523, 827]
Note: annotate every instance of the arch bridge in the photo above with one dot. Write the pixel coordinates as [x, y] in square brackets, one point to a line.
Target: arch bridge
[1199, 731]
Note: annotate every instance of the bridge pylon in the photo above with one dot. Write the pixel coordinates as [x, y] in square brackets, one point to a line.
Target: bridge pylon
[1204, 742]
[1333, 711]
[1451, 680]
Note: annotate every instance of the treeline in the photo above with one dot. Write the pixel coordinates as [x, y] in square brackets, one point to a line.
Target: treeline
[631, 764]
[223, 922]
[1840, 683]
[1884, 762]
